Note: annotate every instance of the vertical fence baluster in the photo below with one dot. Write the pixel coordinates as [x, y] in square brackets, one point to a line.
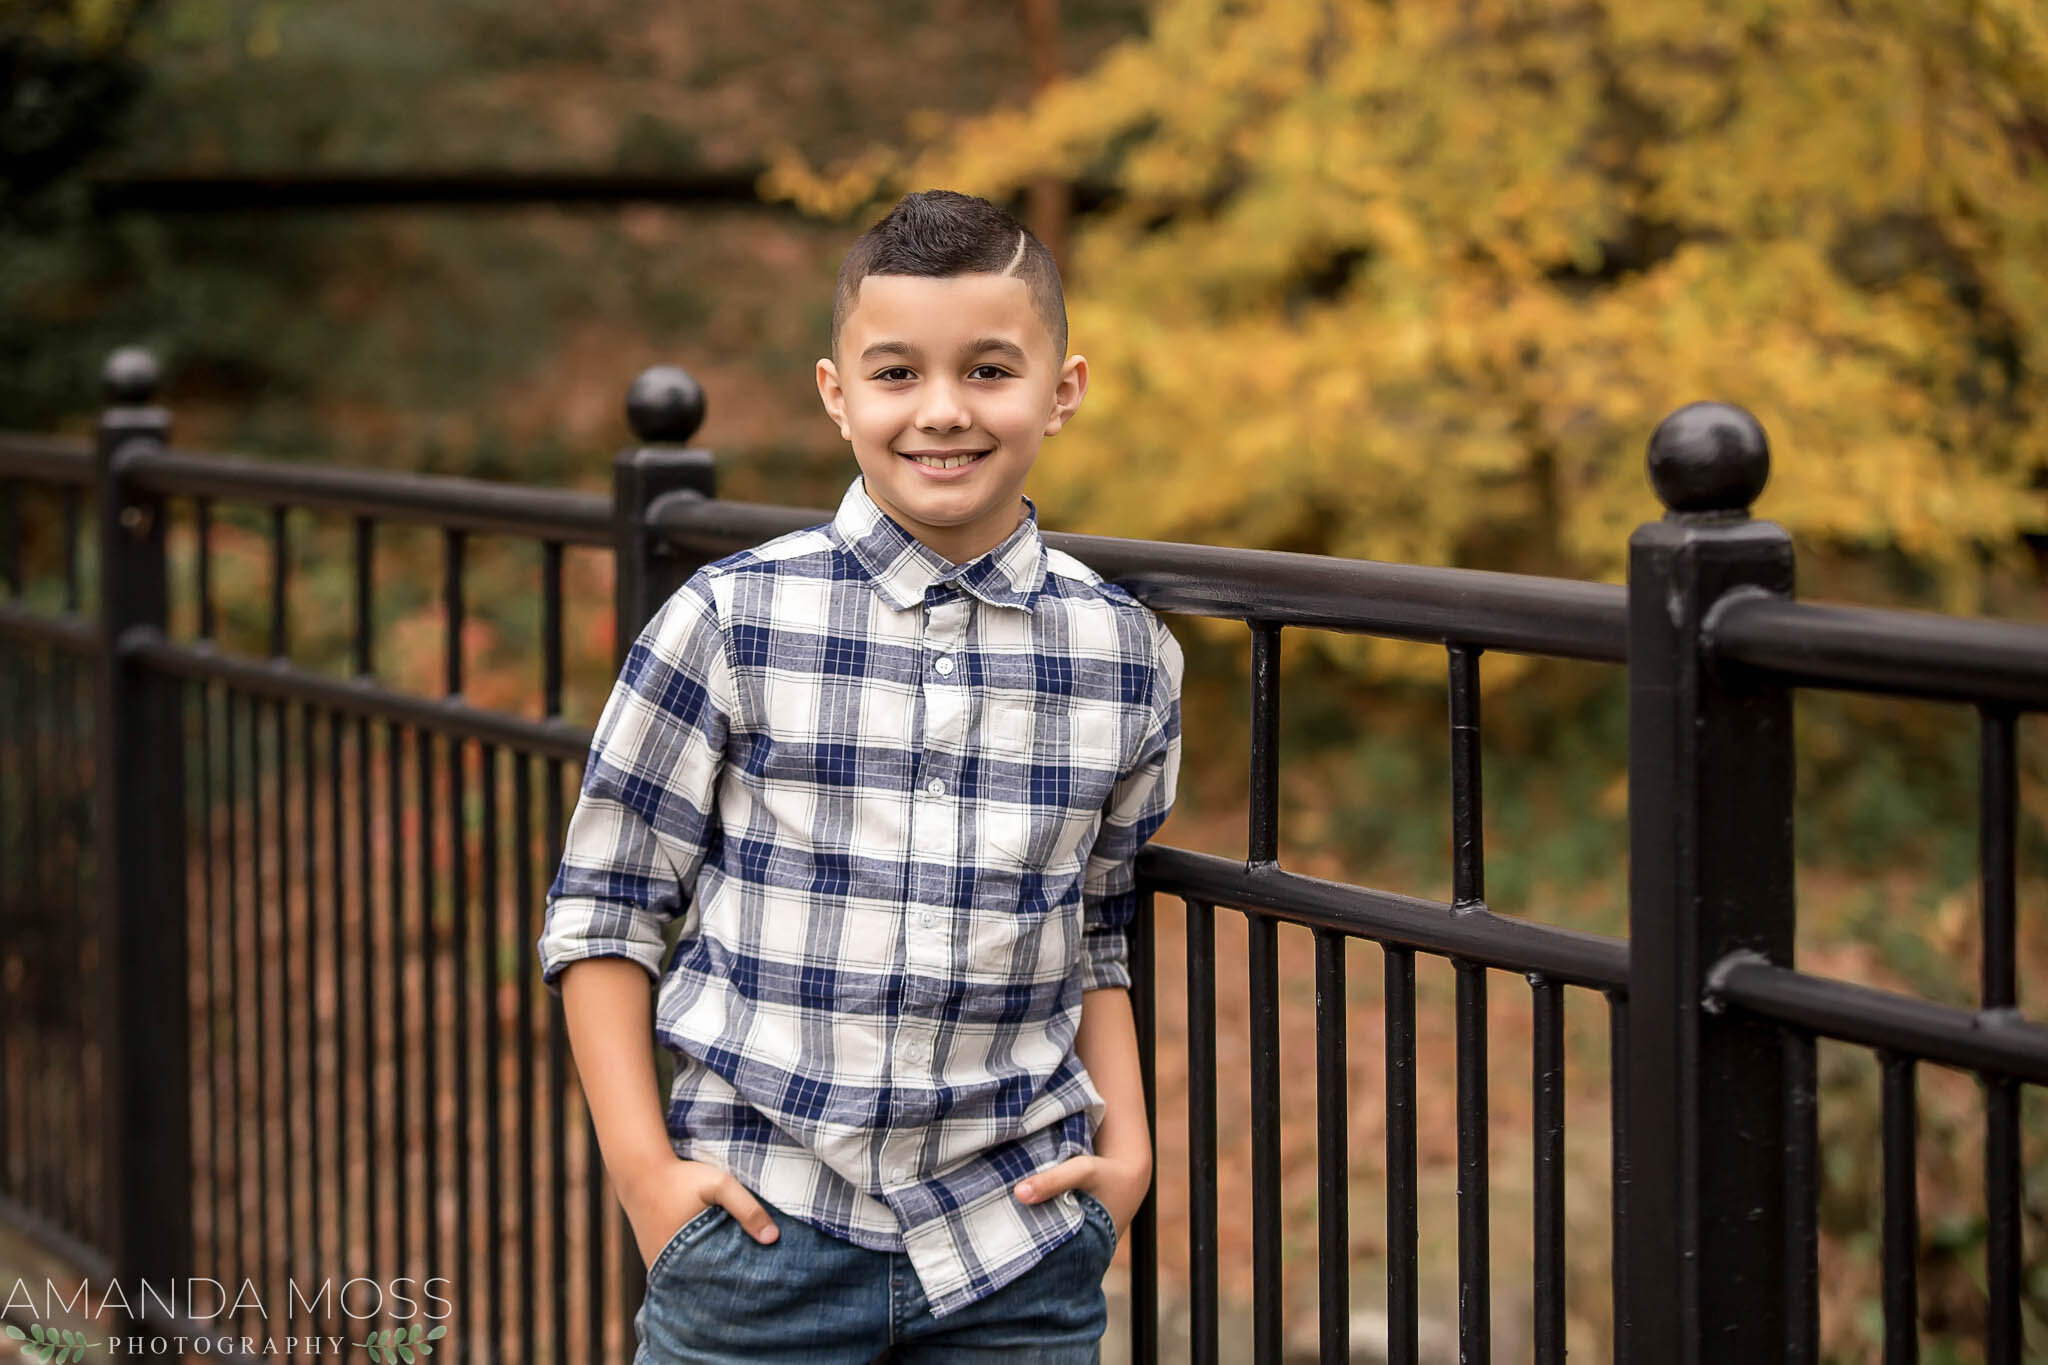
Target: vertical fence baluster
[1618, 1171]
[1263, 972]
[454, 547]
[67, 1020]
[206, 1192]
[29, 726]
[1403, 1306]
[17, 799]
[1144, 1228]
[261, 907]
[362, 632]
[308, 997]
[62, 946]
[1333, 1150]
[10, 1128]
[2004, 1260]
[1547, 1233]
[281, 905]
[527, 914]
[208, 1080]
[1263, 837]
[86, 1002]
[1201, 995]
[399, 955]
[237, 1031]
[1468, 854]
[1998, 819]
[1263, 964]
[338, 988]
[14, 1128]
[1901, 1213]
[427, 787]
[1468, 893]
[273, 1052]
[557, 1086]
[493, 1058]
[1475, 1305]
[79, 709]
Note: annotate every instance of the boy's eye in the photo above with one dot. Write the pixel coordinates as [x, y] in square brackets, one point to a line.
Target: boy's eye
[896, 373]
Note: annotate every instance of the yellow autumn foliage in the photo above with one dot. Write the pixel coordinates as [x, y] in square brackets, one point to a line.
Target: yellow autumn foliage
[1415, 280]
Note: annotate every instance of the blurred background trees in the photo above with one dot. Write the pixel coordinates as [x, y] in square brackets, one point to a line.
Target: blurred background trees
[1410, 281]
[1413, 282]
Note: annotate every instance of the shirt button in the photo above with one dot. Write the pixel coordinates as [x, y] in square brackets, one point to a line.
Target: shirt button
[895, 1172]
[930, 919]
[943, 664]
[935, 787]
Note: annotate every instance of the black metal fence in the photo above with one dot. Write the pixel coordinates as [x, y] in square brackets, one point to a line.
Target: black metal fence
[271, 1005]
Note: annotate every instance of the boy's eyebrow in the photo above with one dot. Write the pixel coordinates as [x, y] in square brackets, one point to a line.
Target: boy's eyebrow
[1001, 345]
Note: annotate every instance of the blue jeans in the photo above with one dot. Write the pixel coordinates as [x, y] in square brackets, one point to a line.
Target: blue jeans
[715, 1294]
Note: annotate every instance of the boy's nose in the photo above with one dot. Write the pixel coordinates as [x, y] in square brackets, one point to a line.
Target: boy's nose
[942, 410]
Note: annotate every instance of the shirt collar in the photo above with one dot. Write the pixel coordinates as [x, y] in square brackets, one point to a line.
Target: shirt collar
[904, 567]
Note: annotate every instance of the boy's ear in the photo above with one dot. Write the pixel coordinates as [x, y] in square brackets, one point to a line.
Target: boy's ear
[1068, 393]
[833, 397]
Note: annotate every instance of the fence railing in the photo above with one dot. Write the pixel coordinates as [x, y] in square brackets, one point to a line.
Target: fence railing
[266, 919]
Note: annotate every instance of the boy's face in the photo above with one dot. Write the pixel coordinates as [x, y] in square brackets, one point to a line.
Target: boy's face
[957, 365]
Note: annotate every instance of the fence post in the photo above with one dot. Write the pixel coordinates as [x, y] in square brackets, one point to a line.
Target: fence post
[665, 407]
[139, 804]
[1710, 873]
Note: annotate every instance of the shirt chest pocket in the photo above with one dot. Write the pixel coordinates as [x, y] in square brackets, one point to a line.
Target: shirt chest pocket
[1050, 772]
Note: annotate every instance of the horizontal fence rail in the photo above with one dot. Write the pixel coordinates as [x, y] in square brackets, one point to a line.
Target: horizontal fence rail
[372, 1082]
[1907, 653]
[471, 506]
[1517, 613]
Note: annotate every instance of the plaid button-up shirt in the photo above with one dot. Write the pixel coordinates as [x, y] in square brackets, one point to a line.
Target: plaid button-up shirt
[894, 803]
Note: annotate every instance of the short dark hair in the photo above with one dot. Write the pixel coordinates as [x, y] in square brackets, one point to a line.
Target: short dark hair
[939, 233]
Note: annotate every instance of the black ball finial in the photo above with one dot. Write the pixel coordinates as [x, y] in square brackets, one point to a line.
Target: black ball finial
[130, 376]
[1709, 457]
[665, 405]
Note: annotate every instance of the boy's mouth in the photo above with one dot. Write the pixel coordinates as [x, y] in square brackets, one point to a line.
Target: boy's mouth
[943, 459]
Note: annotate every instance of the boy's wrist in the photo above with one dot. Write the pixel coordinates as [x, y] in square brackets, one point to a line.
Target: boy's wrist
[635, 1172]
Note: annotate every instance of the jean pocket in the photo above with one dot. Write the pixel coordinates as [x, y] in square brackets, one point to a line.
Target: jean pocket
[1097, 1213]
[686, 1236]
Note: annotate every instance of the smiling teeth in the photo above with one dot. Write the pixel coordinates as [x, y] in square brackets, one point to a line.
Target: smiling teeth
[953, 462]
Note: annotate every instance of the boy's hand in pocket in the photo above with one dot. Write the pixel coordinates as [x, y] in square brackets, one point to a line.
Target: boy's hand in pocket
[669, 1194]
[1120, 1185]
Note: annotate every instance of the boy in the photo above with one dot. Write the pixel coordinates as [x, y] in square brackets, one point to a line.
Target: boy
[890, 772]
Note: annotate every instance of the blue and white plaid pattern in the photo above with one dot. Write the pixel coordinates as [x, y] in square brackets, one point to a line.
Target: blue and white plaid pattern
[895, 803]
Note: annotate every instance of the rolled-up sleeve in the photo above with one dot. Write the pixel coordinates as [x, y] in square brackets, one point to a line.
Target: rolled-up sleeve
[647, 808]
[1138, 804]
